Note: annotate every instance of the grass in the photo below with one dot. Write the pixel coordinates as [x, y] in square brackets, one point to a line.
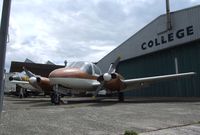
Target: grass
[130, 133]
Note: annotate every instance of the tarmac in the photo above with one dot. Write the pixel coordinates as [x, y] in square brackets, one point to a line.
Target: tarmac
[85, 116]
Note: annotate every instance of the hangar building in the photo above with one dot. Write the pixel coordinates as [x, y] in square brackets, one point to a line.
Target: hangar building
[155, 50]
[36, 68]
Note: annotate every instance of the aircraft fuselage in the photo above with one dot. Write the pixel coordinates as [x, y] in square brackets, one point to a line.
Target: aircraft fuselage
[72, 78]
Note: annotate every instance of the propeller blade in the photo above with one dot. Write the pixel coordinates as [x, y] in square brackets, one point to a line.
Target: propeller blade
[99, 88]
[114, 65]
[29, 73]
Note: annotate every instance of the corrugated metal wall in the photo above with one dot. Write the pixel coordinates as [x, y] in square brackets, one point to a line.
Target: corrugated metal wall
[163, 62]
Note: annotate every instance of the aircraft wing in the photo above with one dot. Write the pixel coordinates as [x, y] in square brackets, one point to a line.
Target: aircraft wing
[19, 82]
[24, 84]
[144, 82]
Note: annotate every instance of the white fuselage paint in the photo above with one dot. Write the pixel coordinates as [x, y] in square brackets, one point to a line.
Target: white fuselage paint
[74, 83]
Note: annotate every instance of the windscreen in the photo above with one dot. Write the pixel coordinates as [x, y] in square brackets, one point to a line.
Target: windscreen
[83, 66]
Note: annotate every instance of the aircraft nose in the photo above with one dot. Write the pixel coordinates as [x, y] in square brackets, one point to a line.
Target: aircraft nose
[54, 73]
[57, 73]
[10, 78]
[65, 72]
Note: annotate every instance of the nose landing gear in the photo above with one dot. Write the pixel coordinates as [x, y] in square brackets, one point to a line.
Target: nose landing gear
[55, 96]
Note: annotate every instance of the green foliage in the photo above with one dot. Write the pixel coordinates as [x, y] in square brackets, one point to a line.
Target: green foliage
[130, 133]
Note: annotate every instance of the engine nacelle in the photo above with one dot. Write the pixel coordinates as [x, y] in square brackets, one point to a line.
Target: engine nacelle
[43, 80]
[42, 83]
[112, 81]
[11, 78]
[115, 84]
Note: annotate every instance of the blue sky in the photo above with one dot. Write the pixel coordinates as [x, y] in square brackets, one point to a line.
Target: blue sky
[73, 30]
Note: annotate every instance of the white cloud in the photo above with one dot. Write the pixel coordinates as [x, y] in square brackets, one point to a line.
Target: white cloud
[52, 30]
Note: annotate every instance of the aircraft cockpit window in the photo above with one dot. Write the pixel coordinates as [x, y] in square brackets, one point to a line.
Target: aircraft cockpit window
[84, 66]
[76, 64]
[87, 68]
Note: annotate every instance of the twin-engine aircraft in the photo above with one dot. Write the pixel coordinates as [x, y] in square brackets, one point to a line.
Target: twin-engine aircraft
[25, 80]
[87, 77]
[22, 84]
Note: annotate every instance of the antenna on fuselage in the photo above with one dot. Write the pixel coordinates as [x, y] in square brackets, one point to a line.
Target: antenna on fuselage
[65, 63]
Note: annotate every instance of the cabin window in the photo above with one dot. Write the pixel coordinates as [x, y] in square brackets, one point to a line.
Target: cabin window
[88, 69]
[83, 66]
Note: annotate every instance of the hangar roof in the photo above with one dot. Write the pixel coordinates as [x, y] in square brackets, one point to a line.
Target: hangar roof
[155, 37]
[36, 68]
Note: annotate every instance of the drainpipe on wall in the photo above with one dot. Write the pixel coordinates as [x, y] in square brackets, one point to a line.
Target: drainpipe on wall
[168, 16]
[168, 19]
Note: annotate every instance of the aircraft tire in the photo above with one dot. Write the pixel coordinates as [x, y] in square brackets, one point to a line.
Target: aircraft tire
[55, 99]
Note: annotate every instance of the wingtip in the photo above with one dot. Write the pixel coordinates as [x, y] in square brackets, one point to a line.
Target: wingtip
[188, 74]
[192, 73]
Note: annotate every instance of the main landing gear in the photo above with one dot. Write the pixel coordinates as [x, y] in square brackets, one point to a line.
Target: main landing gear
[21, 92]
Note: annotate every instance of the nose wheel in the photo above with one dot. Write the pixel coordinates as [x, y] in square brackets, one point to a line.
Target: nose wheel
[55, 96]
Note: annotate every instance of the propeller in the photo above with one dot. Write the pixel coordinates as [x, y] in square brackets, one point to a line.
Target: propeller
[33, 79]
[107, 76]
[32, 76]
[29, 73]
[113, 66]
